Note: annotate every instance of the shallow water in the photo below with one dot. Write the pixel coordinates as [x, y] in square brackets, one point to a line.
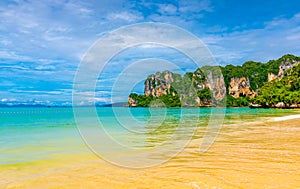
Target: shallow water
[41, 147]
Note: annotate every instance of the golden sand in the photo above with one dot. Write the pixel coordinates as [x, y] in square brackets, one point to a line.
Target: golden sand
[260, 155]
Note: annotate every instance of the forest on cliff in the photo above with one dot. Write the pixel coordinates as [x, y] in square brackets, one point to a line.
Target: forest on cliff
[265, 84]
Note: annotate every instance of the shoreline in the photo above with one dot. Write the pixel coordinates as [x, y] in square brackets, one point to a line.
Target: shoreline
[248, 149]
[286, 118]
[259, 149]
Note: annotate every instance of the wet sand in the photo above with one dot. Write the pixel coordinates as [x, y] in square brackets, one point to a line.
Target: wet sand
[249, 155]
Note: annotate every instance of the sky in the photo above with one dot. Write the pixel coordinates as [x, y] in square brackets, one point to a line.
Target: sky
[43, 42]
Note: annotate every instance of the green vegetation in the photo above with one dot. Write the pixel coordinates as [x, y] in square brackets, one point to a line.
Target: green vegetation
[146, 101]
[185, 89]
[237, 102]
[273, 65]
[205, 96]
[256, 72]
[286, 90]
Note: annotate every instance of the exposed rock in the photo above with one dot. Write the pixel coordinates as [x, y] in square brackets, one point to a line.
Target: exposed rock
[186, 87]
[280, 105]
[294, 106]
[287, 64]
[131, 102]
[240, 87]
[272, 77]
[217, 86]
[251, 105]
[198, 101]
[158, 84]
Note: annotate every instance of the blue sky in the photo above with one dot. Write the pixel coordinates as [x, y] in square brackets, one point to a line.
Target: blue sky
[42, 42]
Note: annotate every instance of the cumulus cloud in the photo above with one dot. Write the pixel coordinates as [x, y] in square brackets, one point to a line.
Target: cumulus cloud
[277, 37]
[125, 16]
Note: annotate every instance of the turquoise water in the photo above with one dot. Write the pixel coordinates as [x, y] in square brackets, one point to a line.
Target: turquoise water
[29, 134]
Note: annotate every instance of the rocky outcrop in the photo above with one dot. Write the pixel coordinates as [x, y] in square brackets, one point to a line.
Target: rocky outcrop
[217, 86]
[285, 105]
[186, 86]
[192, 88]
[253, 105]
[284, 65]
[280, 105]
[158, 84]
[272, 77]
[239, 87]
[131, 102]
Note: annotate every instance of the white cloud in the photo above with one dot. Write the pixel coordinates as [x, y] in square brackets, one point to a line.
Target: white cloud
[7, 54]
[8, 100]
[97, 99]
[3, 99]
[276, 38]
[216, 28]
[167, 9]
[15, 67]
[195, 6]
[125, 16]
[57, 33]
[5, 42]
[29, 27]
[45, 67]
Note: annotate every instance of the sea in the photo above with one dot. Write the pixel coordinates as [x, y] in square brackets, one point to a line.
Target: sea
[40, 133]
[121, 147]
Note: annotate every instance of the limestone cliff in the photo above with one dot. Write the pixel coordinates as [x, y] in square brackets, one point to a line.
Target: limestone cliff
[158, 84]
[217, 85]
[272, 77]
[131, 102]
[240, 87]
[186, 86]
[208, 84]
[285, 64]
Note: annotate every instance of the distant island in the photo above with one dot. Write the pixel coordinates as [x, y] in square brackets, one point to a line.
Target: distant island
[275, 84]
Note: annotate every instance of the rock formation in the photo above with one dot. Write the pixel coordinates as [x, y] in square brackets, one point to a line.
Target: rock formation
[131, 102]
[285, 65]
[186, 86]
[272, 77]
[217, 86]
[240, 87]
[158, 84]
[207, 85]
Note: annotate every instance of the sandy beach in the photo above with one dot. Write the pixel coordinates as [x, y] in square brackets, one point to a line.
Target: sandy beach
[260, 155]
[198, 94]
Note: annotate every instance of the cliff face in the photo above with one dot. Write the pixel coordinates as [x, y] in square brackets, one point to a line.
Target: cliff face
[285, 64]
[158, 84]
[186, 86]
[240, 87]
[272, 77]
[217, 86]
[284, 92]
[207, 85]
[131, 102]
